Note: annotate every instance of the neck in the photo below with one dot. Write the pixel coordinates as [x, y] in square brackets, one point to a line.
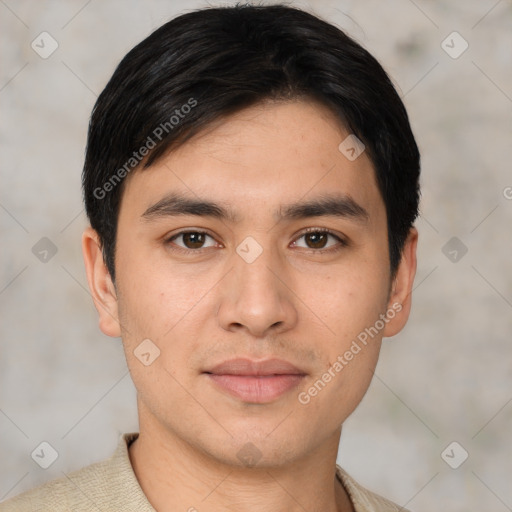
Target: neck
[175, 475]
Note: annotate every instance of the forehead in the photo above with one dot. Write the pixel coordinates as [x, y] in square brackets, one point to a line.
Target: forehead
[269, 154]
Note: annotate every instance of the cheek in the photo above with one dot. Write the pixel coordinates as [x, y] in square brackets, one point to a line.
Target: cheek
[157, 343]
[350, 302]
[156, 295]
[166, 307]
[350, 307]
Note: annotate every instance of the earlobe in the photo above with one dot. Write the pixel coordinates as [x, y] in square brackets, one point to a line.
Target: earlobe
[100, 284]
[401, 291]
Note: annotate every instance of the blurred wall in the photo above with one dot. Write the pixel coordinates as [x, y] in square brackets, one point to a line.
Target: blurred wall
[446, 378]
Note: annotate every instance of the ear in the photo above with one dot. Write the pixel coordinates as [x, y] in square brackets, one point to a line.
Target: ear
[401, 289]
[100, 283]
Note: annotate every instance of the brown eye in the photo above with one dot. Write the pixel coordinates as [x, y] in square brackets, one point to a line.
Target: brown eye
[317, 240]
[191, 240]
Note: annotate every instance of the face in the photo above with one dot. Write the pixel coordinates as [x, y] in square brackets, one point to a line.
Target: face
[288, 260]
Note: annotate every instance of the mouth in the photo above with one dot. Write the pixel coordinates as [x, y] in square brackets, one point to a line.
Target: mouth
[255, 381]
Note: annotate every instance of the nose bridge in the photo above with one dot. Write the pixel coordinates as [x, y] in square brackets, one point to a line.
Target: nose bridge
[256, 296]
[256, 266]
[253, 268]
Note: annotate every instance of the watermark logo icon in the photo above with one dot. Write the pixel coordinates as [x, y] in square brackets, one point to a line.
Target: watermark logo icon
[44, 250]
[454, 249]
[44, 455]
[44, 45]
[249, 454]
[352, 147]
[454, 45]
[454, 455]
[146, 352]
[249, 250]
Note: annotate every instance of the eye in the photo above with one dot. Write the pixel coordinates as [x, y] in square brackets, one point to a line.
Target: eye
[315, 239]
[318, 239]
[192, 240]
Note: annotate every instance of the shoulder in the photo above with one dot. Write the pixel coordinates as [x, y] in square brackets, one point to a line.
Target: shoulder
[105, 485]
[363, 499]
[57, 495]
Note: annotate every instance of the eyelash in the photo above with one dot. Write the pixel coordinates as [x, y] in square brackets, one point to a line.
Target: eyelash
[342, 243]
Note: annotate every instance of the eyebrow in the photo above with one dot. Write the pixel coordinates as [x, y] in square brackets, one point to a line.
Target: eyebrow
[343, 206]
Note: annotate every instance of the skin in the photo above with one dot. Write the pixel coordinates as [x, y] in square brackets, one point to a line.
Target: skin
[297, 301]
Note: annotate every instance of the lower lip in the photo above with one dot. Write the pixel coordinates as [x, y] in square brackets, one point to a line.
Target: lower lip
[256, 389]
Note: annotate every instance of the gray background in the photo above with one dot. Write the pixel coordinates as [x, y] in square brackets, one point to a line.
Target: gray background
[447, 377]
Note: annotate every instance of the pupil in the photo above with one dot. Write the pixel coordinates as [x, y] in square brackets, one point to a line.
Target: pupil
[320, 240]
[193, 240]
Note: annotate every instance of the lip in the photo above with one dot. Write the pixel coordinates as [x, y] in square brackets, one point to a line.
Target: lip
[248, 367]
[255, 381]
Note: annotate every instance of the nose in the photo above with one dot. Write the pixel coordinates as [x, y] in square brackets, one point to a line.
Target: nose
[256, 297]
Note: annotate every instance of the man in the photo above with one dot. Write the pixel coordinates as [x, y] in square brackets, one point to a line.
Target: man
[251, 180]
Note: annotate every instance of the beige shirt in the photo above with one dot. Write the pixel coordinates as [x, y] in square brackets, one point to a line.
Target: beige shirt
[111, 486]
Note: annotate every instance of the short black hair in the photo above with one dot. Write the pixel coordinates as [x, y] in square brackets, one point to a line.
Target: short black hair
[209, 63]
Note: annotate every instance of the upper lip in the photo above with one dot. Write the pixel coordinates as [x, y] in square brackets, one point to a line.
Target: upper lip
[250, 367]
